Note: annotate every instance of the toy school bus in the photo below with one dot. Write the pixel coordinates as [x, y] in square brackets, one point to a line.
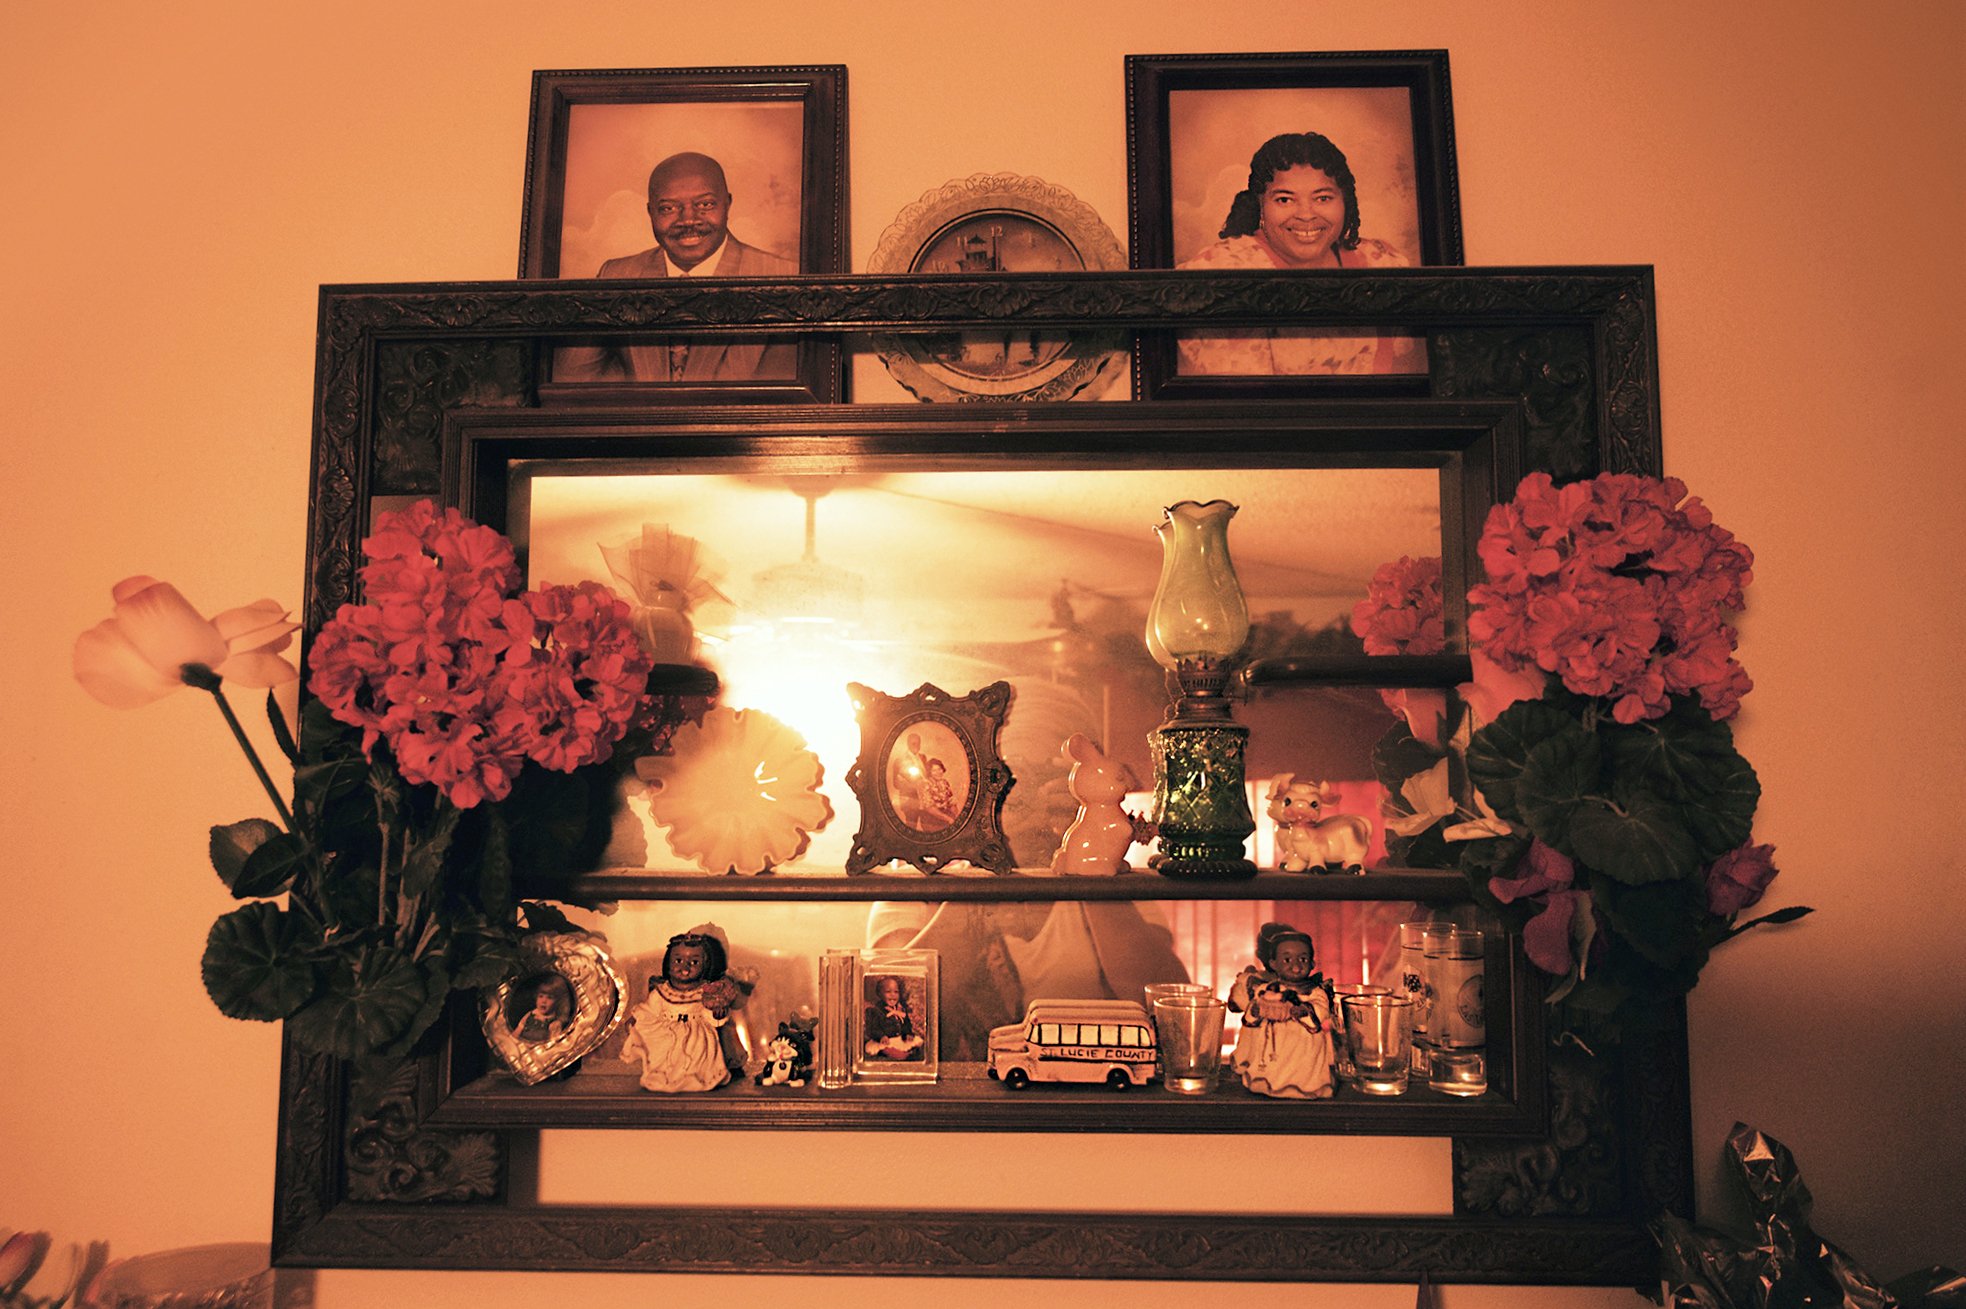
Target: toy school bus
[1110, 1041]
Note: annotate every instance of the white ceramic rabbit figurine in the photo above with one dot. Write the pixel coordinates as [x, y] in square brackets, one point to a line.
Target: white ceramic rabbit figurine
[1096, 841]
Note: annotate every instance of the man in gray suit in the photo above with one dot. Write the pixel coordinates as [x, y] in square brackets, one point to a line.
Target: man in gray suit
[689, 213]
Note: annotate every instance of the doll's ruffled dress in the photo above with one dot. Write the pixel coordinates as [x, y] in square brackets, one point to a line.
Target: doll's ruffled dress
[1288, 1059]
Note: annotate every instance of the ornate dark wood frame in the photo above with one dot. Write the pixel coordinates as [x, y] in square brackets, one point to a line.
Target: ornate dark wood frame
[821, 91]
[1575, 348]
[1149, 184]
[976, 720]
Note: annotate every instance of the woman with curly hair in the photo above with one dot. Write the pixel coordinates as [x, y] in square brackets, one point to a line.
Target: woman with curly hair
[1300, 210]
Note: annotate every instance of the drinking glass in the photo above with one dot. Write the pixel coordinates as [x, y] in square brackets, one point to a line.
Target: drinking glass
[1190, 1032]
[1413, 984]
[1378, 1028]
[1458, 1063]
[1347, 1070]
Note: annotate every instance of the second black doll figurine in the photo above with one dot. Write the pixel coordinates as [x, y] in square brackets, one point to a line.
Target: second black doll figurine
[1284, 1048]
[675, 1032]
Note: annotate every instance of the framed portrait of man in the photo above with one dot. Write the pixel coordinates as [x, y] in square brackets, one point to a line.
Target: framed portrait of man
[1285, 162]
[708, 173]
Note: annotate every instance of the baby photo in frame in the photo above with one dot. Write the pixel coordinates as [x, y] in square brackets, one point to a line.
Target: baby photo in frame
[1275, 162]
[896, 1023]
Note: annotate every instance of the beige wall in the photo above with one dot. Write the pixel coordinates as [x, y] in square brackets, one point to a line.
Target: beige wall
[181, 178]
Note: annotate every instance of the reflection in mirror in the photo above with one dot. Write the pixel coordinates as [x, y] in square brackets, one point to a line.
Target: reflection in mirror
[792, 586]
[995, 957]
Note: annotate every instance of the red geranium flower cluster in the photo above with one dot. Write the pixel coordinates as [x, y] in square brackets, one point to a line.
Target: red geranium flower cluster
[1619, 586]
[465, 679]
[1401, 610]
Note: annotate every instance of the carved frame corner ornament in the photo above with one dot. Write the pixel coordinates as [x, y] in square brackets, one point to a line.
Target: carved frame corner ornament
[1573, 349]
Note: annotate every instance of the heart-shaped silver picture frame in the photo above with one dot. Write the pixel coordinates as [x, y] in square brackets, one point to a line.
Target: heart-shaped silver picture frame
[559, 1010]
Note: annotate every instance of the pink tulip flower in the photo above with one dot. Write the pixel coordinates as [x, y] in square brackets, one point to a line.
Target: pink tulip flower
[156, 642]
[20, 1258]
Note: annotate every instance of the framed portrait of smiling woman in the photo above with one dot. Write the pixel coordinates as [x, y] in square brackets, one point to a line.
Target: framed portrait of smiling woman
[1283, 162]
[707, 173]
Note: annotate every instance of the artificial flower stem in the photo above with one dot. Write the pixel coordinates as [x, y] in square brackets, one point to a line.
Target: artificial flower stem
[252, 755]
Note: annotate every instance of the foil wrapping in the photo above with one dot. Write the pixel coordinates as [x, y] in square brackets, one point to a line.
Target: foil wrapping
[1782, 1263]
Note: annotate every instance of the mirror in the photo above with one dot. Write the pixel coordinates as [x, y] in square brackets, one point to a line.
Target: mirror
[894, 574]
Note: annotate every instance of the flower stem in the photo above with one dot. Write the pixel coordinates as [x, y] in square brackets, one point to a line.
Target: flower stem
[252, 757]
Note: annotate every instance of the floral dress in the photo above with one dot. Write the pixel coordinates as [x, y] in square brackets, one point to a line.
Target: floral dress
[1297, 351]
[675, 1037]
[1292, 1057]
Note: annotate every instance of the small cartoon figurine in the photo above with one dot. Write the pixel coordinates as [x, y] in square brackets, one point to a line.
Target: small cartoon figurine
[1307, 841]
[889, 1031]
[788, 1056]
[1098, 838]
[676, 1031]
[1285, 1047]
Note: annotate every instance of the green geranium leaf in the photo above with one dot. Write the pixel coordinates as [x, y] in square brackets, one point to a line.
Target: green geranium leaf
[492, 961]
[558, 824]
[423, 867]
[1424, 849]
[234, 843]
[1399, 755]
[436, 991]
[544, 917]
[1635, 841]
[1558, 777]
[272, 867]
[324, 737]
[1499, 752]
[1494, 856]
[350, 894]
[320, 784]
[1661, 923]
[369, 1003]
[1688, 759]
[259, 963]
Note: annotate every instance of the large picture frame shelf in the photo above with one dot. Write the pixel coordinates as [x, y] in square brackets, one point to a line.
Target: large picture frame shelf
[1570, 351]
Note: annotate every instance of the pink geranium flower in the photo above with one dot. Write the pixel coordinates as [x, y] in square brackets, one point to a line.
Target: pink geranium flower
[1546, 874]
[464, 676]
[1401, 610]
[1618, 586]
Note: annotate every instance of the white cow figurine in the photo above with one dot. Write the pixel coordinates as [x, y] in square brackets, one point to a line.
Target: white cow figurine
[1307, 841]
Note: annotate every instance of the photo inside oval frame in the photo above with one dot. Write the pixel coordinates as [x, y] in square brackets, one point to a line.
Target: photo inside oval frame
[928, 775]
[561, 1009]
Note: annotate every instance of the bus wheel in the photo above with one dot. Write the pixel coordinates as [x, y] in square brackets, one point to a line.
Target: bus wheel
[1118, 1080]
[1016, 1079]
